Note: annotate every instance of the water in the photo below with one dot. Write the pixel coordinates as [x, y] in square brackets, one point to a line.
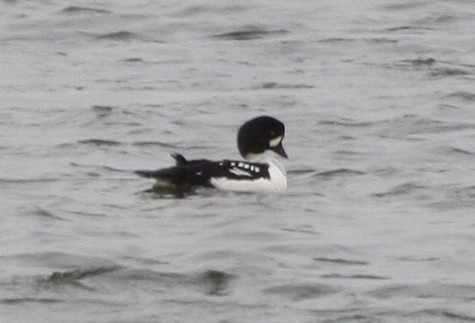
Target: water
[377, 223]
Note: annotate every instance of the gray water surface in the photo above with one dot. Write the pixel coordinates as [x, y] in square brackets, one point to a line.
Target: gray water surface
[377, 224]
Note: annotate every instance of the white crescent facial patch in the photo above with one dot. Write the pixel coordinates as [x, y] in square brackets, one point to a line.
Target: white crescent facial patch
[275, 142]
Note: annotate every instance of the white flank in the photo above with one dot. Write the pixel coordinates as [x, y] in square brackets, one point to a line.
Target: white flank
[276, 183]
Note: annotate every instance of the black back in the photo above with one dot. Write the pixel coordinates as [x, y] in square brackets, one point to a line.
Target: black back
[199, 172]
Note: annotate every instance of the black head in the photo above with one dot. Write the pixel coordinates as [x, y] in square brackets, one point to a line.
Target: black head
[261, 134]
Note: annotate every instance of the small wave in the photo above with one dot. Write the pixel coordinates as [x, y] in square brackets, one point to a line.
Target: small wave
[162, 191]
[42, 212]
[399, 190]
[409, 125]
[150, 275]
[114, 169]
[435, 68]
[340, 172]
[27, 181]
[418, 259]
[99, 167]
[466, 96]
[459, 151]
[383, 40]
[99, 142]
[210, 282]
[408, 27]
[82, 10]
[345, 123]
[119, 35]
[102, 110]
[427, 290]
[216, 282]
[70, 277]
[437, 19]
[154, 143]
[133, 60]
[223, 9]
[301, 171]
[301, 230]
[275, 85]
[357, 276]
[451, 315]
[92, 214]
[59, 260]
[410, 5]
[341, 261]
[417, 62]
[299, 292]
[336, 40]
[448, 71]
[23, 300]
[249, 34]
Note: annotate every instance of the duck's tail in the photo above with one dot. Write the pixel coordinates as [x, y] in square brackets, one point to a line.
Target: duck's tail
[172, 175]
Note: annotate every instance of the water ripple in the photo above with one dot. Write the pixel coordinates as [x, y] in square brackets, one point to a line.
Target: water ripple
[74, 276]
[84, 10]
[355, 276]
[43, 212]
[401, 189]
[435, 68]
[119, 35]
[298, 292]
[250, 33]
[341, 261]
[102, 110]
[23, 300]
[99, 142]
[462, 95]
[216, 282]
[338, 173]
[275, 85]
[427, 290]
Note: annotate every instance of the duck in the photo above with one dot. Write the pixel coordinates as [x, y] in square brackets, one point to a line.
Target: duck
[260, 143]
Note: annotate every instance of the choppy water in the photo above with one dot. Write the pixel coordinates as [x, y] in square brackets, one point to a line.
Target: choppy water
[377, 224]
